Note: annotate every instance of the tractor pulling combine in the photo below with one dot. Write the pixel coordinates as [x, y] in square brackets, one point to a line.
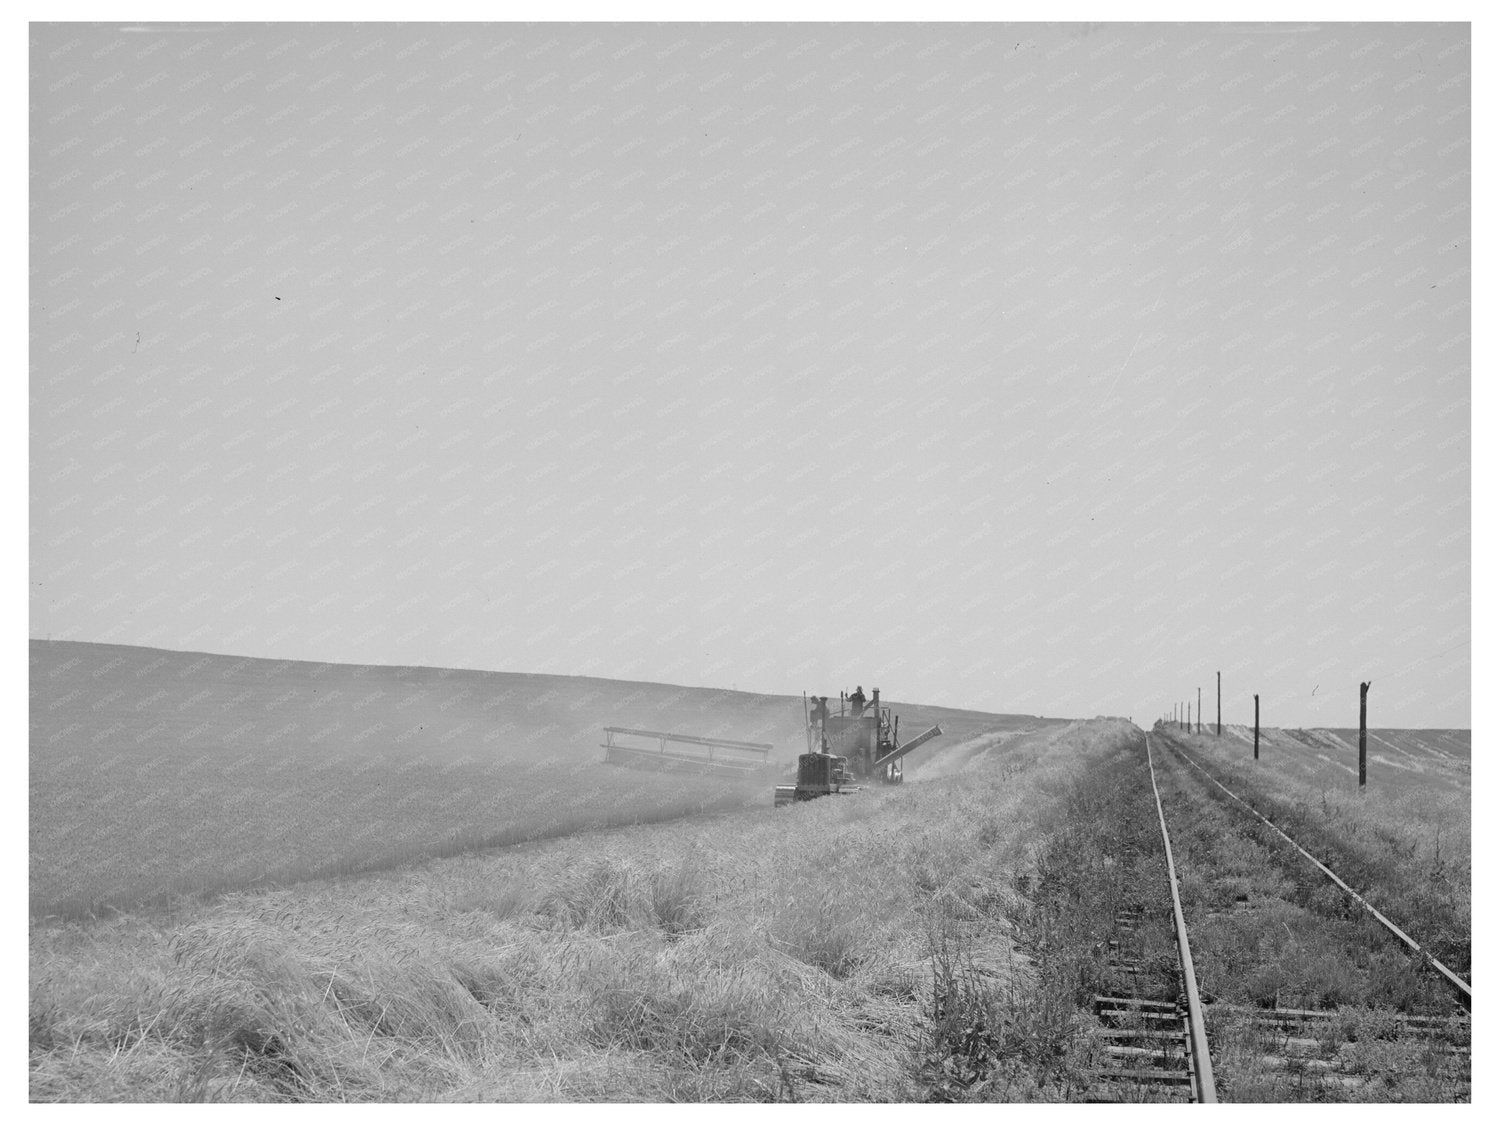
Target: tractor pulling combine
[847, 750]
[844, 752]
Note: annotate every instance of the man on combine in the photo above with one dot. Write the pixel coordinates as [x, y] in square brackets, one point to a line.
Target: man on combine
[819, 712]
[857, 702]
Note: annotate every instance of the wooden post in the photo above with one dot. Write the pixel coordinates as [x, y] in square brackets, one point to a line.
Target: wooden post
[1200, 710]
[1363, 690]
[1257, 728]
[1219, 709]
[1190, 716]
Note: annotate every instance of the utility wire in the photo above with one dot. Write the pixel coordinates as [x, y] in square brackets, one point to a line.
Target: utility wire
[1425, 659]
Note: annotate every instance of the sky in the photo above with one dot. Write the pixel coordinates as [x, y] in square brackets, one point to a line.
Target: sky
[1040, 368]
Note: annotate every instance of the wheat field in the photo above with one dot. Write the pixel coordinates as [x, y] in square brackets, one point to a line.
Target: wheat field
[757, 955]
[157, 774]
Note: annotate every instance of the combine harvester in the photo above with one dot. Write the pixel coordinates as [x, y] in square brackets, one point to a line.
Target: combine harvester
[683, 753]
[860, 746]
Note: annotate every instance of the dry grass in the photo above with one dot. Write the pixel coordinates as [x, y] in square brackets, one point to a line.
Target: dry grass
[787, 955]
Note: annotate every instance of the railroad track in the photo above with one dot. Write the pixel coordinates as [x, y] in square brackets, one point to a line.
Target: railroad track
[1156, 1048]
[1147, 1050]
[1461, 989]
[1317, 1050]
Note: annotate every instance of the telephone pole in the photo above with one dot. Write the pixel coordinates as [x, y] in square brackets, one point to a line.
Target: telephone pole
[1364, 689]
[1257, 728]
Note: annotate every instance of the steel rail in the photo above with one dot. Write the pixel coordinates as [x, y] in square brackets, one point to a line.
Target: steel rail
[1456, 981]
[1203, 1067]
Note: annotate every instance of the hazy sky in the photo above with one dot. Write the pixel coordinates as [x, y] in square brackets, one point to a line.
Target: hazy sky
[1042, 368]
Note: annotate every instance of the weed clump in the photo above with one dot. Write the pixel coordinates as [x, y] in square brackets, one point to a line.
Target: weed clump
[819, 932]
[996, 1037]
[678, 899]
[603, 895]
[501, 899]
[645, 1008]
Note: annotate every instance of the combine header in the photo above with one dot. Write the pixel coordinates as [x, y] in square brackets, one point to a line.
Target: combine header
[847, 749]
[683, 753]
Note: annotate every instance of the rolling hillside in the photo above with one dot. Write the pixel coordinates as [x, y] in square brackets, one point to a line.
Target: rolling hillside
[156, 773]
[1427, 758]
